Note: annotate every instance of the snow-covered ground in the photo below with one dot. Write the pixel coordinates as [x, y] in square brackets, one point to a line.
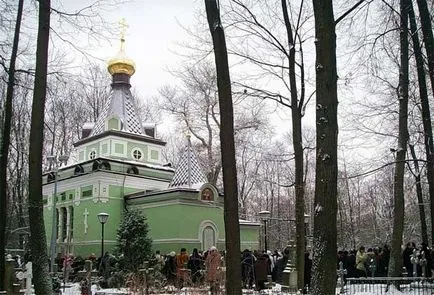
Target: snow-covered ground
[357, 290]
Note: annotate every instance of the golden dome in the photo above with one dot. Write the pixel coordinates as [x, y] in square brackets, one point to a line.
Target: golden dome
[121, 64]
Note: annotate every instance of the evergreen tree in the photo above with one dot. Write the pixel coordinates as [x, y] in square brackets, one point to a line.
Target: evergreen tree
[133, 241]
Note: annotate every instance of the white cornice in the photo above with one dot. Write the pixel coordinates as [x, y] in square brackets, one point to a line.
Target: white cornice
[126, 180]
[177, 201]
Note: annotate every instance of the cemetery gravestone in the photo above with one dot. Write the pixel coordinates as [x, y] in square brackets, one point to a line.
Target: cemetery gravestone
[290, 272]
[341, 273]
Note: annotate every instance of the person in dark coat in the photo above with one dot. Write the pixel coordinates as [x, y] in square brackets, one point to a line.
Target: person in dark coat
[262, 269]
[406, 257]
[279, 267]
[170, 268]
[247, 270]
[383, 261]
[195, 264]
[351, 264]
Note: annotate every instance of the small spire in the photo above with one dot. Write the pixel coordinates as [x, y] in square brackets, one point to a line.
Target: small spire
[188, 136]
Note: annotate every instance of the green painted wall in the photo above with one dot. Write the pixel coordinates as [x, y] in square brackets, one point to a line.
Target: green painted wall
[174, 219]
[181, 220]
[249, 236]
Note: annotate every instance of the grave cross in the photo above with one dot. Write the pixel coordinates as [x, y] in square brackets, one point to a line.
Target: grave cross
[341, 273]
[27, 276]
[85, 214]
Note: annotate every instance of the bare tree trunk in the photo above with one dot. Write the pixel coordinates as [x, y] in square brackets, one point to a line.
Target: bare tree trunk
[38, 241]
[297, 142]
[5, 142]
[395, 264]
[423, 92]
[419, 194]
[325, 249]
[232, 226]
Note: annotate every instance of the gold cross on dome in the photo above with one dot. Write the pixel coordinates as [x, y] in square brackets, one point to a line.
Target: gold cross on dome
[123, 25]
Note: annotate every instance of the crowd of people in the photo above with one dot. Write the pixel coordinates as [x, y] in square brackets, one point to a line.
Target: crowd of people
[257, 267]
[374, 262]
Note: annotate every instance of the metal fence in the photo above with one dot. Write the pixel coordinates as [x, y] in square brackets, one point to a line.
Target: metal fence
[380, 286]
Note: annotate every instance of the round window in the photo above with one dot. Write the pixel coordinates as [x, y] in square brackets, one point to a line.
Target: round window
[92, 155]
[137, 154]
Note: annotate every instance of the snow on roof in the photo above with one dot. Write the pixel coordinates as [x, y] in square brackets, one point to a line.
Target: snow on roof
[88, 125]
[248, 222]
[188, 172]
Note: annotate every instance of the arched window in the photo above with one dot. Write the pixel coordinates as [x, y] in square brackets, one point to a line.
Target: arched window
[208, 238]
[133, 170]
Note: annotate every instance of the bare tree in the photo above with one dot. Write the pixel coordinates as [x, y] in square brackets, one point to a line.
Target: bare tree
[38, 241]
[232, 226]
[425, 108]
[395, 264]
[416, 173]
[194, 104]
[324, 239]
[5, 140]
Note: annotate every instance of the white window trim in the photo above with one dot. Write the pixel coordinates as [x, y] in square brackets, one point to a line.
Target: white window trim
[106, 127]
[91, 151]
[124, 144]
[150, 149]
[204, 224]
[107, 142]
[141, 152]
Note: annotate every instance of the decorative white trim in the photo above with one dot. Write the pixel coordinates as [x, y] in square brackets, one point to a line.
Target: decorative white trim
[49, 201]
[106, 127]
[85, 217]
[120, 138]
[150, 150]
[93, 242]
[95, 192]
[104, 142]
[81, 150]
[109, 178]
[175, 240]
[77, 196]
[113, 149]
[104, 192]
[156, 203]
[204, 224]
[89, 157]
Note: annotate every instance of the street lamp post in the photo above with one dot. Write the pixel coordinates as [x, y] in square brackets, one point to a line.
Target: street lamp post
[55, 161]
[102, 217]
[264, 215]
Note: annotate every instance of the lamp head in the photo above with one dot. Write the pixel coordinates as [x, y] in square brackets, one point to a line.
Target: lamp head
[265, 214]
[103, 217]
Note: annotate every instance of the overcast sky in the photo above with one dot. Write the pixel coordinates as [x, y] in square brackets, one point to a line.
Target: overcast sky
[151, 38]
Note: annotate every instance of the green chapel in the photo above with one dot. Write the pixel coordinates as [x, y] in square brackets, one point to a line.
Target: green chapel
[120, 167]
